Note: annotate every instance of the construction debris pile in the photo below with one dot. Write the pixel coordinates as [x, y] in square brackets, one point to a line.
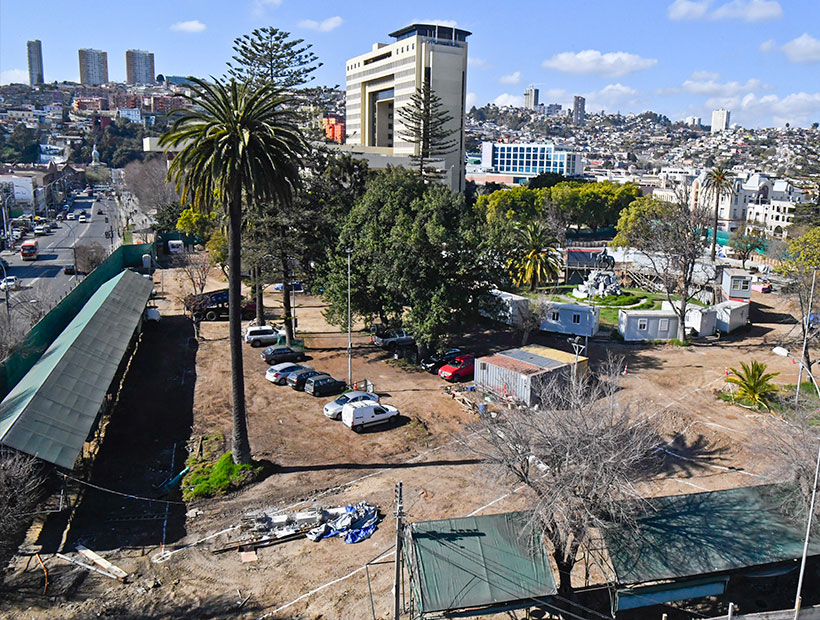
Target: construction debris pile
[598, 284]
[264, 529]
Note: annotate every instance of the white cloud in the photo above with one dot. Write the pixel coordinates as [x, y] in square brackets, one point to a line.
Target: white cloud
[688, 9]
[611, 97]
[470, 100]
[326, 25]
[704, 75]
[803, 49]
[508, 99]
[611, 64]
[478, 63]
[14, 76]
[512, 78]
[749, 10]
[768, 46]
[714, 88]
[260, 6]
[798, 109]
[193, 25]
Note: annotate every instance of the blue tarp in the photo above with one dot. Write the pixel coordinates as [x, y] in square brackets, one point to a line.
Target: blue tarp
[357, 524]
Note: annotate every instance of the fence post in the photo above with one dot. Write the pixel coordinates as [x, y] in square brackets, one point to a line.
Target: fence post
[731, 611]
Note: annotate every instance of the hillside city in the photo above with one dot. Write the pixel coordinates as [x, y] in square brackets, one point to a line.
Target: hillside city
[544, 361]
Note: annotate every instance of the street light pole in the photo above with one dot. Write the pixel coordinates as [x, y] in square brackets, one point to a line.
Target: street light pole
[806, 325]
[349, 325]
[797, 599]
[783, 352]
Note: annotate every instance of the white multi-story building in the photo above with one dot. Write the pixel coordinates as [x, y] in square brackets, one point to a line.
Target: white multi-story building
[720, 120]
[693, 121]
[528, 160]
[531, 98]
[139, 67]
[382, 81]
[93, 66]
[35, 62]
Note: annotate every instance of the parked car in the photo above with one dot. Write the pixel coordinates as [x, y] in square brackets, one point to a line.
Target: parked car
[459, 369]
[278, 354]
[297, 379]
[434, 362]
[392, 339]
[258, 335]
[296, 287]
[10, 283]
[213, 305]
[69, 270]
[152, 315]
[279, 373]
[357, 416]
[324, 385]
[333, 409]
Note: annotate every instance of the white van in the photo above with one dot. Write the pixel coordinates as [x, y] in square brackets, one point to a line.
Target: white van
[360, 414]
[175, 246]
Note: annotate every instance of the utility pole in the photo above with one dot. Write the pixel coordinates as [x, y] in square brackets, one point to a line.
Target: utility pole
[797, 599]
[397, 576]
[806, 326]
[349, 332]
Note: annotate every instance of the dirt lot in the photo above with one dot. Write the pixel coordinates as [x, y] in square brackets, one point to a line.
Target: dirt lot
[174, 397]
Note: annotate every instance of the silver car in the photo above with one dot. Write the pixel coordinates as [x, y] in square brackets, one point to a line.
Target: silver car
[333, 409]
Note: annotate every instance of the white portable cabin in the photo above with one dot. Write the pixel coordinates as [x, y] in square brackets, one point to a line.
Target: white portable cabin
[736, 284]
[636, 325]
[731, 315]
[702, 320]
[512, 308]
[575, 319]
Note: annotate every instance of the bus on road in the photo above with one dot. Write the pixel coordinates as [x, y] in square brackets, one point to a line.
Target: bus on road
[29, 249]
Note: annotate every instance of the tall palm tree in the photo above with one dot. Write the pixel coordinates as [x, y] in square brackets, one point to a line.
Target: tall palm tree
[240, 143]
[536, 259]
[718, 183]
[754, 384]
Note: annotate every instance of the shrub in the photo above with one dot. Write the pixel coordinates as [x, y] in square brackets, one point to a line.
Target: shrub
[217, 478]
[754, 384]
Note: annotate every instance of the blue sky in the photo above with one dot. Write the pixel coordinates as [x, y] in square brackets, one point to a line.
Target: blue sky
[758, 58]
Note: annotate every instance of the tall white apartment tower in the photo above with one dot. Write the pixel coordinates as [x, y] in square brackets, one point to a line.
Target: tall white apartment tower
[382, 81]
[720, 120]
[93, 66]
[531, 98]
[35, 62]
[139, 67]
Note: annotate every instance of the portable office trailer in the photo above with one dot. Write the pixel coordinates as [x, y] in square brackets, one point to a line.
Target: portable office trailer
[731, 315]
[736, 284]
[636, 325]
[512, 308]
[702, 320]
[575, 319]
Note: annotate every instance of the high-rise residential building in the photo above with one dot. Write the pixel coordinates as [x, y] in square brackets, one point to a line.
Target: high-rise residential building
[693, 121]
[139, 67]
[93, 66]
[553, 109]
[531, 98]
[382, 82]
[720, 120]
[35, 62]
[578, 110]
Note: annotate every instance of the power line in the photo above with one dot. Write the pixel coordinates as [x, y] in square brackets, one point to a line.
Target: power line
[127, 495]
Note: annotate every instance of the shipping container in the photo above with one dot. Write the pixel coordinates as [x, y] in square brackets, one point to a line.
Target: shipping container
[702, 320]
[575, 319]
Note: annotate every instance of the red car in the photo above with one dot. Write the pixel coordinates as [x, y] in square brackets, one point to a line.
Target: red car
[459, 369]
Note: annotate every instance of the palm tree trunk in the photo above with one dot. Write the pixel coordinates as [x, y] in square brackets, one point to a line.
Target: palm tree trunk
[260, 301]
[240, 445]
[286, 298]
[714, 231]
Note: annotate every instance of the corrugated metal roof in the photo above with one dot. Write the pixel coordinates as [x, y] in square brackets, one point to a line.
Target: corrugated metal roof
[704, 533]
[478, 561]
[50, 412]
[531, 358]
[553, 354]
[512, 364]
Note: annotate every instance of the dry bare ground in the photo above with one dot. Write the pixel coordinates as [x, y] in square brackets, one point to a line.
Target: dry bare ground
[321, 462]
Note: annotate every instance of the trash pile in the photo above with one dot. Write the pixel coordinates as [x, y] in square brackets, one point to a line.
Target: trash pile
[264, 529]
[598, 284]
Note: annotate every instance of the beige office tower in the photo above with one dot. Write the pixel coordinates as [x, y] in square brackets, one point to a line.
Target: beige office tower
[384, 79]
[93, 67]
[139, 67]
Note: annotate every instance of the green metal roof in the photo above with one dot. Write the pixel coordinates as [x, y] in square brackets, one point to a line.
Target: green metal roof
[51, 411]
[478, 561]
[704, 533]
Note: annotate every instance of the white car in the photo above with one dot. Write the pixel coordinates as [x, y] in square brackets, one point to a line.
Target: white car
[259, 335]
[333, 409]
[357, 416]
[10, 283]
[279, 373]
[82, 219]
[40, 229]
[71, 216]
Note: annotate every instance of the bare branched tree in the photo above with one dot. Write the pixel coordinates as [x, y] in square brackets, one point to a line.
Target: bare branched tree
[580, 453]
[669, 235]
[26, 306]
[194, 268]
[146, 180]
[535, 313]
[89, 256]
[21, 484]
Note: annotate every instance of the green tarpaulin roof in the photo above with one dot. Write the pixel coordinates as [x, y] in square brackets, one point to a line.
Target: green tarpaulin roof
[478, 561]
[50, 413]
[704, 533]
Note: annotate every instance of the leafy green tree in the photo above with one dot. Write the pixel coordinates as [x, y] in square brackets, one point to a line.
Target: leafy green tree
[546, 179]
[718, 183]
[754, 384]
[239, 144]
[21, 146]
[167, 217]
[536, 260]
[745, 242]
[197, 223]
[269, 56]
[425, 124]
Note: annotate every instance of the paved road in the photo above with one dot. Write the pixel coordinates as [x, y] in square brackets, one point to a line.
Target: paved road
[44, 278]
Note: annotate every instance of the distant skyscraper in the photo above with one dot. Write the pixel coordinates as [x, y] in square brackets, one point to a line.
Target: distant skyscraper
[693, 121]
[139, 67]
[531, 98]
[93, 66]
[553, 109]
[720, 120]
[578, 110]
[35, 62]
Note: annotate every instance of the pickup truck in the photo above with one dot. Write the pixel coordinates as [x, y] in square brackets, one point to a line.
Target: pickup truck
[213, 305]
[392, 339]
